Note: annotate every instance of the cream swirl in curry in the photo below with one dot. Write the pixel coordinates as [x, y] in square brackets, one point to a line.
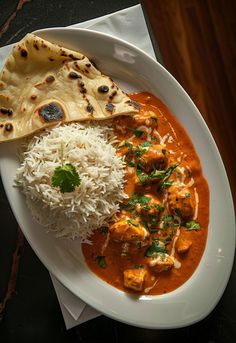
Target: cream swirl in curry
[157, 239]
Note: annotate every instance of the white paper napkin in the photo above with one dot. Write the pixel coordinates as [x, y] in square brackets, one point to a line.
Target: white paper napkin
[128, 24]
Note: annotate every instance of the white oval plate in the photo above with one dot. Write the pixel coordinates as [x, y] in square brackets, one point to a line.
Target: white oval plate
[136, 71]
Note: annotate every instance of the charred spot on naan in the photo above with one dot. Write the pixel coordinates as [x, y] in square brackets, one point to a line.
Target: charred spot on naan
[134, 104]
[6, 111]
[110, 107]
[113, 94]
[70, 55]
[90, 108]
[8, 128]
[103, 89]
[50, 79]
[51, 112]
[24, 53]
[35, 45]
[82, 88]
[73, 75]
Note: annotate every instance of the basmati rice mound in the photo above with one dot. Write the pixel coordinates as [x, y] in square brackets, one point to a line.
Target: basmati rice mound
[88, 147]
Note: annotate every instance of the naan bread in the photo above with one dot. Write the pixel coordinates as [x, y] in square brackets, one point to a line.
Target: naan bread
[42, 84]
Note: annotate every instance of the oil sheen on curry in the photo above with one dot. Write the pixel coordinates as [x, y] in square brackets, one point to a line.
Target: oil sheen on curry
[157, 239]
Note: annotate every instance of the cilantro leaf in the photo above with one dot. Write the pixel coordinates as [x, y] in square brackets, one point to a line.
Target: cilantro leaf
[158, 207]
[133, 200]
[158, 174]
[139, 152]
[167, 240]
[146, 144]
[154, 249]
[66, 178]
[138, 266]
[171, 169]
[131, 222]
[130, 146]
[101, 261]
[165, 182]
[131, 164]
[137, 133]
[154, 118]
[125, 144]
[143, 200]
[167, 218]
[104, 230]
[168, 221]
[142, 176]
[192, 225]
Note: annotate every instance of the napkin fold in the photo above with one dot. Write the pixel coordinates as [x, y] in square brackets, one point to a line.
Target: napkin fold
[73, 309]
[128, 24]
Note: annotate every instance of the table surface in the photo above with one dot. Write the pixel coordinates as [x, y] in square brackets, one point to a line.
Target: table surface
[32, 312]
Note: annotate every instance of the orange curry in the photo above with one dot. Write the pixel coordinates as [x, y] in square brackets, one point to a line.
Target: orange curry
[157, 239]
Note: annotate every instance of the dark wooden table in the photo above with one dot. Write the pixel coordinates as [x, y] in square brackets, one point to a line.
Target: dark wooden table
[196, 39]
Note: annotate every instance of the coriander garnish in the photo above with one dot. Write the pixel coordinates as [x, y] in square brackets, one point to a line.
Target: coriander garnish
[65, 176]
[101, 261]
[192, 225]
[142, 177]
[155, 249]
[153, 118]
[138, 266]
[131, 222]
[146, 144]
[165, 182]
[137, 133]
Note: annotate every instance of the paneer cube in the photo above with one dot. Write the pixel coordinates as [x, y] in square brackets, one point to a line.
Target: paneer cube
[128, 230]
[154, 158]
[183, 245]
[148, 118]
[134, 278]
[153, 208]
[180, 201]
[142, 119]
[161, 263]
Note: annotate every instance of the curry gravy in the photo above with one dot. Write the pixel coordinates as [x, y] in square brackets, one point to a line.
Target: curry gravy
[168, 219]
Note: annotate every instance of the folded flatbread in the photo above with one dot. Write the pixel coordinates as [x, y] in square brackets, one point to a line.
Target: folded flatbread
[43, 83]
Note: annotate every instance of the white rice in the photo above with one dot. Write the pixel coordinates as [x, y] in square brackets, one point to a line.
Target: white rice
[90, 149]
